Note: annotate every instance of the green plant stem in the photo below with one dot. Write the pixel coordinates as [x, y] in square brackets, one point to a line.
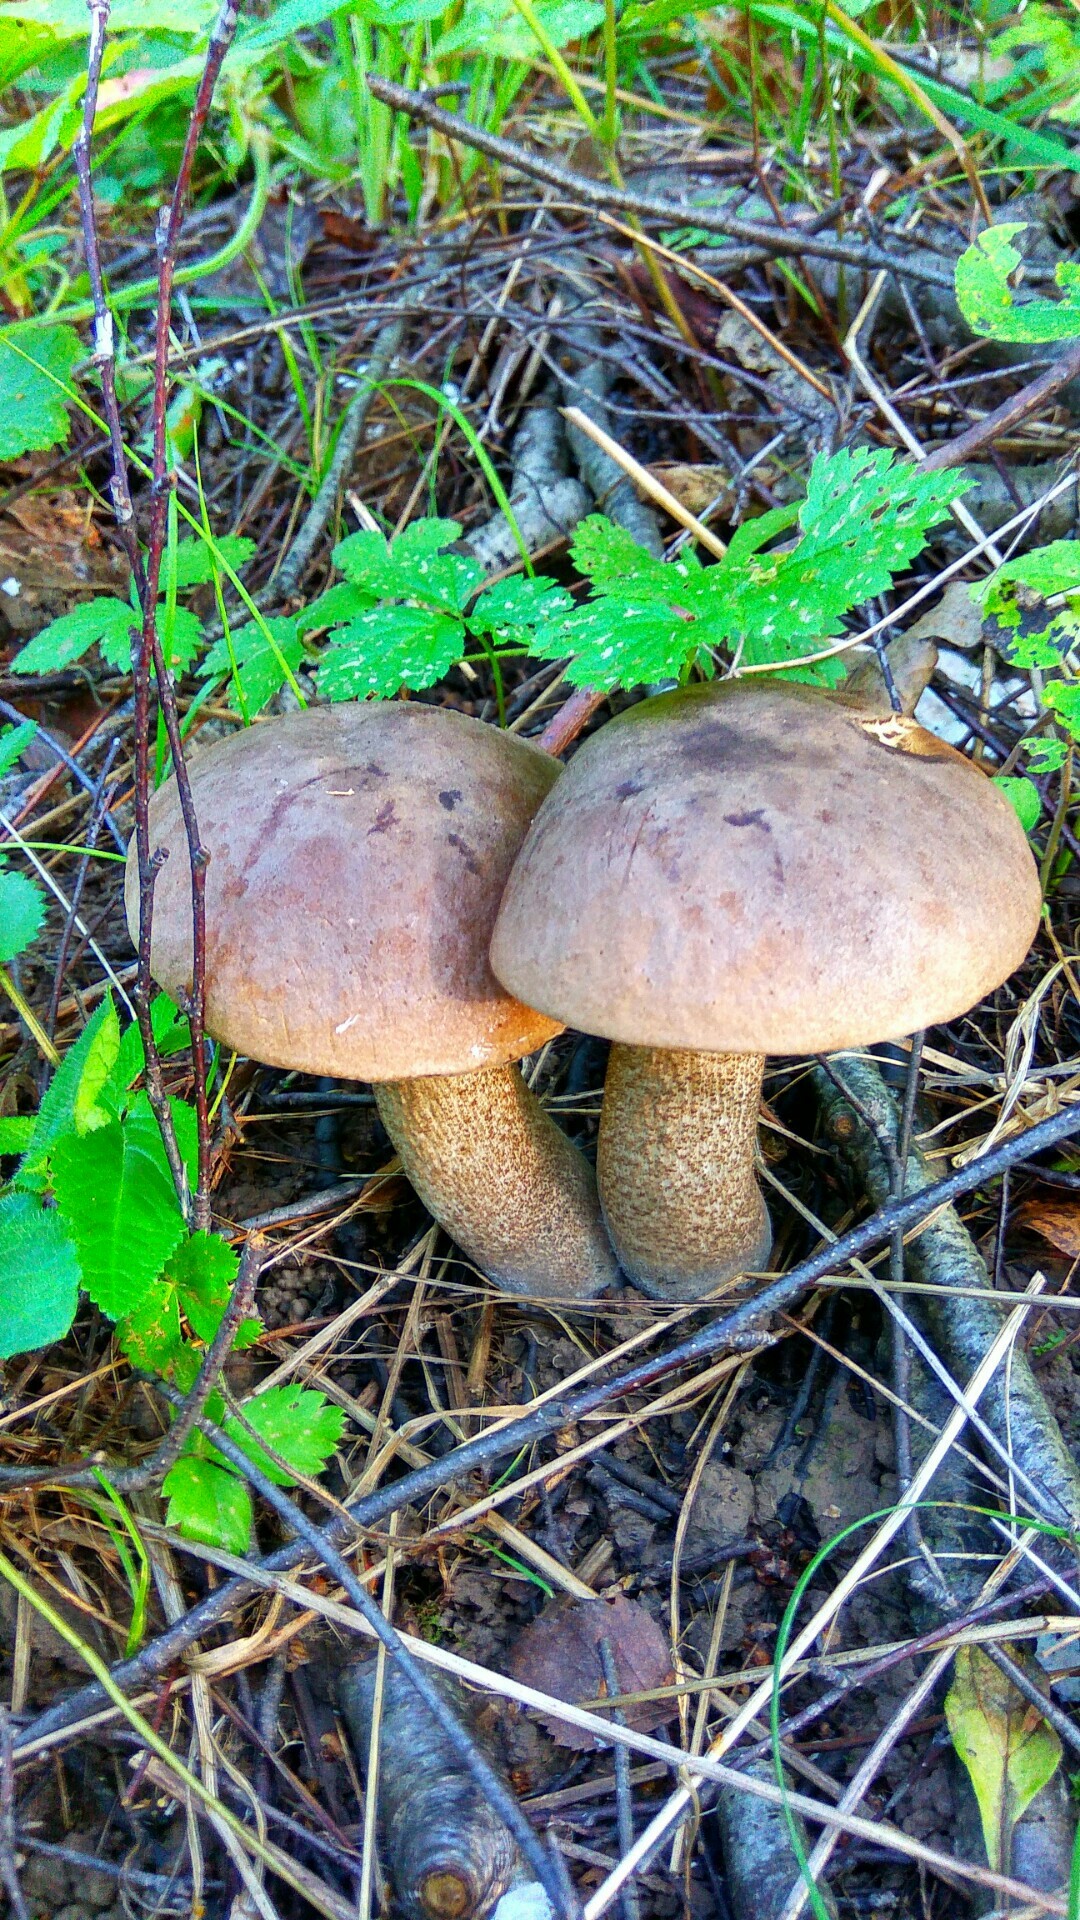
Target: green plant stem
[609, 124]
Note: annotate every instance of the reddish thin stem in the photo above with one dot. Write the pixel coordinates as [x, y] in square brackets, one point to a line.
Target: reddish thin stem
[570, 720]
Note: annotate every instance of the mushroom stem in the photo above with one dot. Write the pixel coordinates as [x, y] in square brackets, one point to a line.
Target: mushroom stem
[676, 1168]
[506, 1183]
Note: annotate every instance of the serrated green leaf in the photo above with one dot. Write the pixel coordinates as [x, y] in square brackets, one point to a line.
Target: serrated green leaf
[16, 1131]
[118, 1204]
[616, 644]
[1008, 1748]
[1023, 796]
[181, 637]
[203, 1270]
[172, 1033]
[39, 1276]
[302, 1428]
[421, 538]
[87, 1111]
[56, 1115]
[104, 622]
[35, 380]
[338, 603]
[195, 559]
[145, 1134]
[260, 663]
[150, 1334]
[986, 298]
[14, 742]
[615, 563]
[389, 648]
[208, 1503]
[519, 610]
[22, 911]
[412, 568]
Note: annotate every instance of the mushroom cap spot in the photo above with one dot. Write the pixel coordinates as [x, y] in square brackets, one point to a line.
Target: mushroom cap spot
[742, 867]
[348, 910]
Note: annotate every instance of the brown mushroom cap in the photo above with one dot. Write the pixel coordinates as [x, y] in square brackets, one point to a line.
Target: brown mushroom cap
[357, 858]
[744, 867]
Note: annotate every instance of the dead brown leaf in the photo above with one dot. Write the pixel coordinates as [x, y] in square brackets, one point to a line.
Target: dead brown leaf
[1057, 1221]
[559, 1653]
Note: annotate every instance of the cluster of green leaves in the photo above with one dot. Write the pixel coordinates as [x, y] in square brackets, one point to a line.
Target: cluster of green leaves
[91, 1206]
[108, 624]
[405, 611]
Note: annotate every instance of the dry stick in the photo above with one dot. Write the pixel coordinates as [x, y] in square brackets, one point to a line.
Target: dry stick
[469, 1753]
[85, 780]
[97, 814]
[591, 193]
[1010, 413]
[104, 358]
[511, 1434]
[9, 1872]
[161, 487]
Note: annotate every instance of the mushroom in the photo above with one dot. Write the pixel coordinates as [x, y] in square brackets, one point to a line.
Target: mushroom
[738, 869]
[357, 857]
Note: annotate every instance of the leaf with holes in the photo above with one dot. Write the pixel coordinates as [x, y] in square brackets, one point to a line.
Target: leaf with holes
[390, 648]
[987, 301]
[39, 1275]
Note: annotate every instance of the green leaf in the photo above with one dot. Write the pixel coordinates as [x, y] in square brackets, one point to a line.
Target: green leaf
[1023, 796]
[105, 622]
[208, 1503]
[39, 1276]
[150, 1334]
[338, 603]
[618, 644]
[56, 1115]
[412, 567]
[203, 1271]
[118, 1203]
[1009, 1750]
[181, 636]
[389, 648]
[22, 911]
[196, 561]
[421, 538]
[1017, 618]
[519, 610]
[35, 385]
[172, 1033]
[300, 1427]
[16, 1131]
[260, 663]
[612, 559]
[87, 1111]
[14, 742]
[986, 298]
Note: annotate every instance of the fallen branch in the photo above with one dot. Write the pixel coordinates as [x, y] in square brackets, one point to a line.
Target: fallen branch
[728, 1331]
[584, 192]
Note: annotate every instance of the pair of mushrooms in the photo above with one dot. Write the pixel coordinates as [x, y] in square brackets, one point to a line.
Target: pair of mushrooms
[401, 895]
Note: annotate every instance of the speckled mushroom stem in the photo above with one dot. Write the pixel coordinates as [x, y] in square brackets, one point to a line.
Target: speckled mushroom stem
[506, 1183]
[676, 1168]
